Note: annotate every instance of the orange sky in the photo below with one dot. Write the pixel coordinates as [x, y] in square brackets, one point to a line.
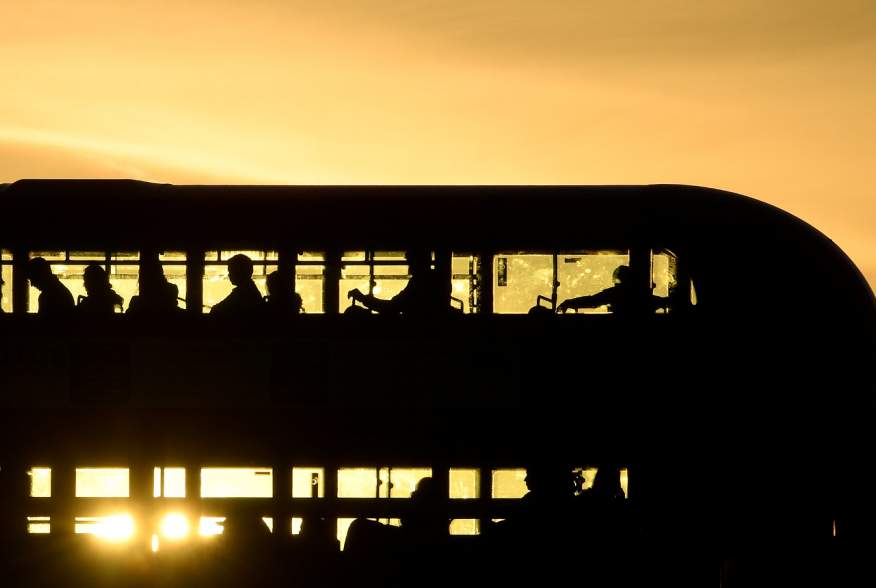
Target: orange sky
[774, 99]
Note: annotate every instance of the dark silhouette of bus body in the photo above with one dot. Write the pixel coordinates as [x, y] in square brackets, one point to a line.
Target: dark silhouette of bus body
[739, 405]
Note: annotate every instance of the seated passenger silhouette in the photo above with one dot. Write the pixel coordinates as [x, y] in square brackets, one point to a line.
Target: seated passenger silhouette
[156, 294]
[623, 298]
[426, 294]
[55, 298]
[282, 299]
[385, 554]
[101, 298]
[245, 297]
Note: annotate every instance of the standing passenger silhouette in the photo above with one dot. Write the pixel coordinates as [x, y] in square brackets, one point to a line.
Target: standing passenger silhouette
[101, 299]
[245, 297]
[156, 294]
[425, 295]
[55, 298]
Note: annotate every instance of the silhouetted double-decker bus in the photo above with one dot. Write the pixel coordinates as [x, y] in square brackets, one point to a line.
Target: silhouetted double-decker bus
[710, 355]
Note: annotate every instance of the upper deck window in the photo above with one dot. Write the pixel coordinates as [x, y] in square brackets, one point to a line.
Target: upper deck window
[379, 273]
[216, 283]
[524, 280]
[310, 280]
[6, 274]
[464, 270]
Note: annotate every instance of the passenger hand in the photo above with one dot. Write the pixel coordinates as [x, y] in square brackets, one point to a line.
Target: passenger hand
[355, 294]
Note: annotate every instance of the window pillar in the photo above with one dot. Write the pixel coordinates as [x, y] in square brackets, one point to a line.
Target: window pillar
[19, 281]
[195, 281]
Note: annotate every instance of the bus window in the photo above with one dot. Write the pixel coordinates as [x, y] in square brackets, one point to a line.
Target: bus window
[102, 483]
[40, 482]
[588, 272]
[586, 475]
[464, 291]
[309, 280]
[665, 280]
[216, 283]
[464, 483]
[509, 483]
[124, 272]
[308, 482]
[39, 525]
[380, 273]
[169, 482]
[465, 527]
[519, 279]
[237, 483]
[6, 274]
[174, 265]
[385, 482]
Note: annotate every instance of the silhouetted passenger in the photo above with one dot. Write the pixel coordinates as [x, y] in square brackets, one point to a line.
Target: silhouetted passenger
[383, 555]
[245, 297]
[426, 294]
[282, 299]
[156, 294]
[623, 298]
[543, 537]
[250, 557]
[101, 299]
[2, 281]
[55, 298]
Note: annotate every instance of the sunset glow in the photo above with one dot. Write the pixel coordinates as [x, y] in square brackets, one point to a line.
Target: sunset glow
[771, 99]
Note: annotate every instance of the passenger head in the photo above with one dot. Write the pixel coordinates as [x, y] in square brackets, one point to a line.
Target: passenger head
[622, 274]
[419, 260]
[39, 272]
[94, 279]
[279, 284]
[239, 269]
[554, 479]
[426, 516]
[606, 483]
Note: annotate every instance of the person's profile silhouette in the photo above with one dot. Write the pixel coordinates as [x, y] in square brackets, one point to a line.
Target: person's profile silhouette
[55, 298]
[426, 294]
[282, 299]
[245, 297]
[156, 294]
[101, 298]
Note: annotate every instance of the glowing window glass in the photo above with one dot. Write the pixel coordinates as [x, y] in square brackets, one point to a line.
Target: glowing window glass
[357, 483]
[102, 483]
[169, 482]
[464, 291]
[216, 284]
[308, 482]
[309, 281]
[465, 527]
[362, 270]
[39, 525]
[6, 274]
[509, 483]
[519, 279]
[40, 482]
[587, 273]
[464, 483]
[236, 483]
